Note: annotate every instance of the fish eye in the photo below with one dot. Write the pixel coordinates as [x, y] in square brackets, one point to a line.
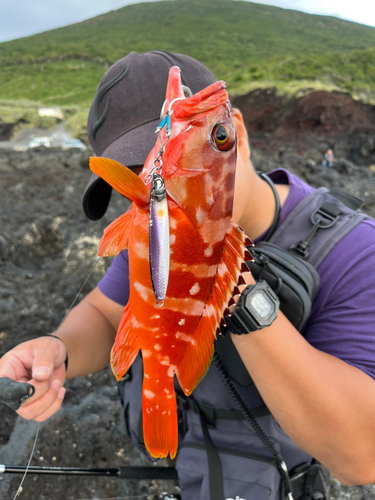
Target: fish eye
[223, 136]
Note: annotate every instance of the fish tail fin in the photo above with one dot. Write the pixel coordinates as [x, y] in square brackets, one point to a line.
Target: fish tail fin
[115, 236]
[126, 346]
[199, 353]
[159, 408]
[122, 179]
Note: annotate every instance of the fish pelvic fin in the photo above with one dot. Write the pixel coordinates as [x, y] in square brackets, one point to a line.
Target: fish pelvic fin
[115, 237]
[122, 179]
[159, 409]
[201, 347]
[126, 346]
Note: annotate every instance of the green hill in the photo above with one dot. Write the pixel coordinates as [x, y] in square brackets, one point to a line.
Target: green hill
[248, 45]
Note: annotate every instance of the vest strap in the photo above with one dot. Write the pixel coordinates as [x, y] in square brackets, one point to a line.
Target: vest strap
[211, 414]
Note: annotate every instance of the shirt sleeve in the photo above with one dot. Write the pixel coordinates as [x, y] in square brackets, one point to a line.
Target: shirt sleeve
[115, 283]
[342, 321]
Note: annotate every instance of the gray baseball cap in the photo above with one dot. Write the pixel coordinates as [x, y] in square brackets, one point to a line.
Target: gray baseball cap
[126, 111]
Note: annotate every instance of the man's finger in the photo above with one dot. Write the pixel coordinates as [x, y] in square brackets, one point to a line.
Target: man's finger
[45, 396]
[53, 408]
[47, 357]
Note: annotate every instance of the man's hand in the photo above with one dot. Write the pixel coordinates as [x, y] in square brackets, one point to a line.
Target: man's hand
[41, 363]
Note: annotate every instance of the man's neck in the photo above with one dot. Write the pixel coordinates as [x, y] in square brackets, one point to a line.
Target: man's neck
[261, 207]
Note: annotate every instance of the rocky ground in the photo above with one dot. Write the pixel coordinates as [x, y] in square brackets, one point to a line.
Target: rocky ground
[48, 248]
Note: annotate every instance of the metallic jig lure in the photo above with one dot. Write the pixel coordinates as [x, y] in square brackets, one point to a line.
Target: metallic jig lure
[159, 238]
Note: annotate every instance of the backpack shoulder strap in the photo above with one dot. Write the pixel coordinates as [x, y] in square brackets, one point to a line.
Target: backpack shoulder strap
[320, 220]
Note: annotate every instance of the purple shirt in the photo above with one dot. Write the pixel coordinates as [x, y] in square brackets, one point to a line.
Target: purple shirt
[342, 320]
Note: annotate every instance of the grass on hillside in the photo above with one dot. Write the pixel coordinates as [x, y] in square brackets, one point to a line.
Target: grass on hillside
[247, 45]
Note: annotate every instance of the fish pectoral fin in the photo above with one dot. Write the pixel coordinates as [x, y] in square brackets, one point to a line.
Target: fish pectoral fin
[126, 346]
[115, 237]
[159, 409]
[199, 352]
[122, 179]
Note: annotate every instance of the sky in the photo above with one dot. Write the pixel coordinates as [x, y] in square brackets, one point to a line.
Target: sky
[19, 18]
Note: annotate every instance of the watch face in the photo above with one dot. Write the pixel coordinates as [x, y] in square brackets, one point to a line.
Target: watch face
[262, 304]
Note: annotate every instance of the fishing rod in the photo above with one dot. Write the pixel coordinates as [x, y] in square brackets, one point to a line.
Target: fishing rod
[123, 472]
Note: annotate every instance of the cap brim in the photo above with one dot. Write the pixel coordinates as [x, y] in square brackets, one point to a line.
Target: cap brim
[131, 150]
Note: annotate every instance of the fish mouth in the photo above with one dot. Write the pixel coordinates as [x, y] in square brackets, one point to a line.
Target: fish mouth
[202, 102]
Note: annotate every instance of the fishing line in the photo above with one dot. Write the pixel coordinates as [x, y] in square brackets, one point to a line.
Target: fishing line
[62, 321]
[19, 490]
[121, 498]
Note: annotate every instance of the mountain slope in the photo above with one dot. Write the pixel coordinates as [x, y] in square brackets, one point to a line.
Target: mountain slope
[230, 37]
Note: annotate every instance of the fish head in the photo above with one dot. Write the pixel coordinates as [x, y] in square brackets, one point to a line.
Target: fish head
[199, 157]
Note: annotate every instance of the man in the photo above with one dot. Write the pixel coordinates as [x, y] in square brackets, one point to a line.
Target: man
[318, 386]
[329, 159]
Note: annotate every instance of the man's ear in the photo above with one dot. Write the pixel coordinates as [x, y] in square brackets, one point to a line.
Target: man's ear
[243, 146]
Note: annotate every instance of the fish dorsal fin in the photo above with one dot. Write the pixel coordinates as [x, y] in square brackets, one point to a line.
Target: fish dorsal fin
[199, 353]
[122, 179]
[115, 237]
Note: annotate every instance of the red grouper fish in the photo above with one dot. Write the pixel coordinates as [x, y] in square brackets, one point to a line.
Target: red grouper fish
[186, 253]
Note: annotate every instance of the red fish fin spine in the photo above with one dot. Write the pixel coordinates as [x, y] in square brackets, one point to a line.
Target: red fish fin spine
[159, 411]
[122, 179]
[227, 281]
[126, 346]
[115, 237]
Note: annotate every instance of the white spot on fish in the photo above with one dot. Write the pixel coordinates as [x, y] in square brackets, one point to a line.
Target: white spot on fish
[172, 223]
[190, 306]
[171, 370]
[208, 251]
[165, 361]
[146, 353]
[136, 323]
[185, 338]
[155, 316]
[164, 412]
[182, 321]
[194, 289]
[166, 391]
[146, 376]
[157, 407]
[157, 347]
[201, 215]
[169, 397]
[144, 293]
[172, 239]
[148, 394]
[141, 250]
[165, 334]
[200, 270]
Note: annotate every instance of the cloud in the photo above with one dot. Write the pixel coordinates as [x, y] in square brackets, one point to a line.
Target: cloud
[360, 11]
[26, 17]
